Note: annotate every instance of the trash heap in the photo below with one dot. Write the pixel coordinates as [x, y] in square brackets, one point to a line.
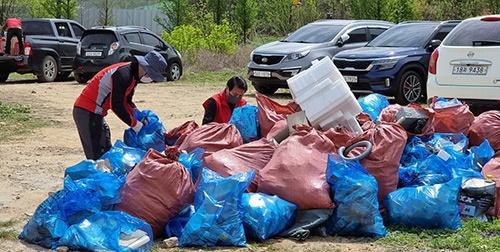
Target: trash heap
[271, 172]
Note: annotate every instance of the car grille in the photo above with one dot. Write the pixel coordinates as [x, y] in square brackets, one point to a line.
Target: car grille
[266, 60]
[356, 64]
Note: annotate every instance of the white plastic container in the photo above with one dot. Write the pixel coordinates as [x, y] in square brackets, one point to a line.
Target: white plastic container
[327, 100]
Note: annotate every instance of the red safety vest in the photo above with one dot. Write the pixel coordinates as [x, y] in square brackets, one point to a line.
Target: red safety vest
[12, 22]
[223, 113]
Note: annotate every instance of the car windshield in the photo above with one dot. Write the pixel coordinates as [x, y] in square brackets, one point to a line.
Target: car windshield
[475, 33]
[314, 34]
[404, 36]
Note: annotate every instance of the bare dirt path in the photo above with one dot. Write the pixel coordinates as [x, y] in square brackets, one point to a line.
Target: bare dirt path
[32, 165]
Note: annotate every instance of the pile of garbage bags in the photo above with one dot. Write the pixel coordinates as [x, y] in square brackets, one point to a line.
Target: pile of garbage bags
[221, 184]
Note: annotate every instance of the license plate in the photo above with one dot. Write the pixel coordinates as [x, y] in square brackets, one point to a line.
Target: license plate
[352, 79]
[470, 70]
[93, 54]
[265, 74]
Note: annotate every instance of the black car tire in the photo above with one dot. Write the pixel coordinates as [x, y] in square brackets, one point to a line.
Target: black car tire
[410, 88]
[4, 77]
[264, 89]
[48, 69]
[81, 78]
[174, 71]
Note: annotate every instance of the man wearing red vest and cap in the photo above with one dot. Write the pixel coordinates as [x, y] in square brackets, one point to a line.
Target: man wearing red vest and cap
[219, 107]
[14, 28]
[113, 88]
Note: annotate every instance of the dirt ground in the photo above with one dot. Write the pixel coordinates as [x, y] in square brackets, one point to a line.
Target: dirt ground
[32, 166]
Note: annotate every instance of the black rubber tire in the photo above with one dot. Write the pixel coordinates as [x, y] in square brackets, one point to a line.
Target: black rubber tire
[411, 88]
[81, 78]
[4, 77]
[266, 90]
[48, 70]
[174, 71]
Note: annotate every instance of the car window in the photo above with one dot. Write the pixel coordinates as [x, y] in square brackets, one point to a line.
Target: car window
[442, 32]
[132, 37]
[356, 36]
[314, 34]
[474, 30]
[63, 30]
[103, 39]
[77, 30]
[374, 32]
[151, 40]
[408, 35]
[39, 27]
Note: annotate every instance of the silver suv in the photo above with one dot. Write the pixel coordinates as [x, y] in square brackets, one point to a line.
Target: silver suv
[273, 63]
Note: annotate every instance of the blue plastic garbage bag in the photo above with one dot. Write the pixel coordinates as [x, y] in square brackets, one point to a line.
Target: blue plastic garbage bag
[246, 121]
[193, 162]
[109, 231]
[123, 158]
[373, 104]
[175, 225]
[431, 207]
[151, 134]
[265, 216]
[354, 192]
[428, 171]
[217, 220]
[81, 170]
[480, 155]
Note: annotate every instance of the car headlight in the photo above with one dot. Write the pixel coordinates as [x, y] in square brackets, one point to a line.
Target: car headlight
[387, 63]
[296, 56]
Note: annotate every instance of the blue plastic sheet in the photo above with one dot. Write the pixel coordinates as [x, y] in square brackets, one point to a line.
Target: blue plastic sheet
[102, 231]
[151, 134]
[431, 207]
[373, 104]
[246, 121]
[354, 192]
[265, 216]
[123, 158]
[193, 162]
[217, 219]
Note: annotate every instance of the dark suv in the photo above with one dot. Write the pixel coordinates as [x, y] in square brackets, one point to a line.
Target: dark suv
[102, 46]
[395, 63]
[272, 64]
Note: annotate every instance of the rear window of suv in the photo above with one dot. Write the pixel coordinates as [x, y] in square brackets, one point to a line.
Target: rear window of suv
[473, 32]
[99, 39]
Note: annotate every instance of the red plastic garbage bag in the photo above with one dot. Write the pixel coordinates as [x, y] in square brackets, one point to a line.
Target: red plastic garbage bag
[270, 112]
[250, 156]
[388, 140]
[486, 126]
[156, 190]
[177, 135]
[296, 172]
[454, 119]
[493, 168]
[212, 137]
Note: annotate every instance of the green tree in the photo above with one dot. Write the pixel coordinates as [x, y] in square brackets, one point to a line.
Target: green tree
[105, 12]
[275, 16]
[219, 9]
[179, 12]
[400, 10]
[245, 14]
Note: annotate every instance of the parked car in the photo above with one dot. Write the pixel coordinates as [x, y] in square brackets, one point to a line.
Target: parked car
[102, 46]
[395, 63]
[273, 63]
[49, 48]
[466, 65]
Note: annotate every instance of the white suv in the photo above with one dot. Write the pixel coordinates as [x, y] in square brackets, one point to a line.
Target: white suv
[466, 65]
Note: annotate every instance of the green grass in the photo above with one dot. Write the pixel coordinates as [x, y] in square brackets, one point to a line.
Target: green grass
[16, 119]
[6, 231]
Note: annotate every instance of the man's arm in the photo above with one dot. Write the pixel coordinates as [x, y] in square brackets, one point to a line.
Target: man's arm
[210, 111]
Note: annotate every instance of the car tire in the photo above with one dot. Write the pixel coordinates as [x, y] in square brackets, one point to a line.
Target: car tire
[264, 89]
[48, 69]
[174, 71]
[81, 78]
[4, 77]
[410, 88]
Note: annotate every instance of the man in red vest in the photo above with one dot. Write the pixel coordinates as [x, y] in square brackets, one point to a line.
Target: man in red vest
[219, 107]
[14, 28]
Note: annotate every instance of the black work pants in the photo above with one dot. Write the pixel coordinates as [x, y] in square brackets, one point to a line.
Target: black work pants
[11, 32]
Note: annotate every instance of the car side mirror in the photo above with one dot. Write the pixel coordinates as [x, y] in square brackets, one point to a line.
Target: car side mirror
[343, 38]
[434, 44]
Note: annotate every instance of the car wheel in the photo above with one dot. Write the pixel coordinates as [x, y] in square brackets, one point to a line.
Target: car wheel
[174, 71]
[264, 89]
[4, 77]
[81, 78]
[411, 88]
[48, 70]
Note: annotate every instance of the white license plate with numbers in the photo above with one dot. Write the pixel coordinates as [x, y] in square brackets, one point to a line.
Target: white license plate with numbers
[470, 70]
[265, 74]
[93, 54]
[351, 79]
